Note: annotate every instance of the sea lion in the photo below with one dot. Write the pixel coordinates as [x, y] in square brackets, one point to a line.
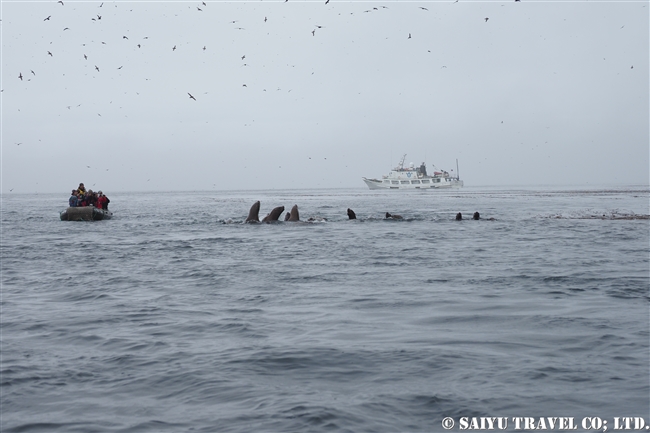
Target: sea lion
[253, 214]
[274, 215]
[394, 217]
[287, 216]
[476, 216]
[459, 216]
[294, 216]
[351, 214]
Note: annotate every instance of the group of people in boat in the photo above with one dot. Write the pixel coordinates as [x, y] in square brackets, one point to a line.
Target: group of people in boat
[80, 197]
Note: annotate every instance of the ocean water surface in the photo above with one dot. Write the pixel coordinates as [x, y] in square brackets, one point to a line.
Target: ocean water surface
[174, 316]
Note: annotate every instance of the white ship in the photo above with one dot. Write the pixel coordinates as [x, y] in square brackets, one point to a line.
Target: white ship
[415, 178]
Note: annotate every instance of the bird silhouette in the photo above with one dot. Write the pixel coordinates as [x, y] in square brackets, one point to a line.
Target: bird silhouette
[486, 19]
[203, 47]
[48, 18]
[85, 57]
[264, 19]
[124, 37]
[20, 75]
[313, 32]
[409, 36]
[243, 57]
[174, 49]
[97, 68]
[99, 17]
[50, 54]
[191, 97]
[67, 28]
[121, 67]
[424, 9]
[199, 9]
[32, 72]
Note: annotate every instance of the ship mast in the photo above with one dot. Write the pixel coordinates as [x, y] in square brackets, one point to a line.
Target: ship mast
[457, 172]
[401, 163]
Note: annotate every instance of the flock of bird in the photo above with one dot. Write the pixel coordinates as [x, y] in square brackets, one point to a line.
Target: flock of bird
[203, 4]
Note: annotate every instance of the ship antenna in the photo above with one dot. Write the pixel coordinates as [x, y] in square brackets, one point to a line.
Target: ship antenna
[457, 172]
[401, 164]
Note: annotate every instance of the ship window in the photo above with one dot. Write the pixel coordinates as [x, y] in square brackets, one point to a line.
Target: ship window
[394, 182]
[415, 181]
[437, 180]
[404, 182]
[386, 181]
[425, 181]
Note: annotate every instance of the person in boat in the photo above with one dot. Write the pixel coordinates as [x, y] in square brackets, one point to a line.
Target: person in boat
[91, 198]
[72, 201]
[102, 201]
[81, 189]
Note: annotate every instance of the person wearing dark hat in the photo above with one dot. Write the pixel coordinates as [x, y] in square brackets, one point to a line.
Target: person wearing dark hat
[72, 201]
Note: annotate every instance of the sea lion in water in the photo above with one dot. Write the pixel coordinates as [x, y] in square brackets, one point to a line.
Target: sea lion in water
[294, 215]
[253, 214]
[274, 215]
[476, 216]
[459, 216]
[287, 216]
[394, 217]
[351, 214]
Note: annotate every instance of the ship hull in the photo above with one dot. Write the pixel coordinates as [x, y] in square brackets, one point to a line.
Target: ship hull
[426, 183]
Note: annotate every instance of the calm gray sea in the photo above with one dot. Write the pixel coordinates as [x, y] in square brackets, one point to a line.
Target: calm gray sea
[176, 317]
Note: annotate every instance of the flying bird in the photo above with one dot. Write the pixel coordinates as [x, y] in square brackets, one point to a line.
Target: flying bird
[48, 18]
[424, 9]
[20, 75]
[50, 54]
[138, 45]
[32, 72]
[264, 19]
[97, 68]
[67, 28]
[199, 9]
[313, 32]
[121, 67]
[409, 36]
[191, 97]
[203, 47]
[174, 49]
[124, 37]
[99, 17]
[486, 19]
[61, 3]
[327, 1]
[243, 57]
[244, 85]
[203, 3]
[85, 57]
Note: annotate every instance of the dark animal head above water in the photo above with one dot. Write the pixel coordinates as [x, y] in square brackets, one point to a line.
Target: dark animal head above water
[274, 215]
[294, 216]
[394, 217]
[253, 214]
[351, 214]
[459, 216]
[476, 216]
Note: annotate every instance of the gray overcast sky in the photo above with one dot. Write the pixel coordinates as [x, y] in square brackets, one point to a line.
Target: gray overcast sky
[541, 93]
